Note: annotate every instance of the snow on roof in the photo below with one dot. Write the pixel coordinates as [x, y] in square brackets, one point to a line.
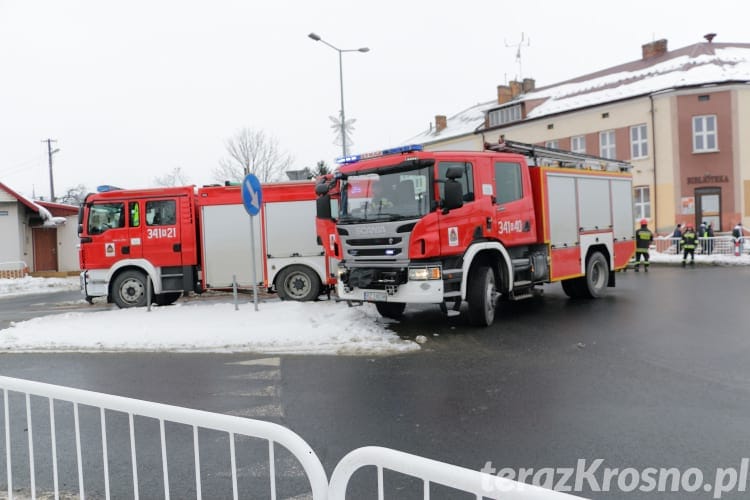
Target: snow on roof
[694, 65]
[45, 209]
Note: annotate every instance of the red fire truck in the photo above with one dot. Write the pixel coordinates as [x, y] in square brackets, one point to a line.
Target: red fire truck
[447, 227]
[181, 239]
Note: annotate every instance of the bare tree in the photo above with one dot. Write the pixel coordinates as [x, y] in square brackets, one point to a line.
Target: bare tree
[74, 195]
[252, 151]
[175, 178]
[321, 169]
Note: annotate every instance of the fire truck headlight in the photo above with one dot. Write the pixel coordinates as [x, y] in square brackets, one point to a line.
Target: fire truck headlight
[424, 273]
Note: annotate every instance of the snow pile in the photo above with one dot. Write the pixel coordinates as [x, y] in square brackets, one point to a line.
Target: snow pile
[31, 285]
[277, 327]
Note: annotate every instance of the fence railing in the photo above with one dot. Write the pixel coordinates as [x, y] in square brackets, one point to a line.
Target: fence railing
[716, 245]
[478, 483]
[34, 426]
[232, 426]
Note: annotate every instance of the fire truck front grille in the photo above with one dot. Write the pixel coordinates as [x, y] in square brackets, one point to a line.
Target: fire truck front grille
[373, 242]
[375, 252]
[377, 279]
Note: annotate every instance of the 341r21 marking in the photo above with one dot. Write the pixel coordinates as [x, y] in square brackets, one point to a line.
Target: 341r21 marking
[161, 232]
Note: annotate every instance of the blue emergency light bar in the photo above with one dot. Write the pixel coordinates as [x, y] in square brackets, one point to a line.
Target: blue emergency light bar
[105, 188]
[377, 154]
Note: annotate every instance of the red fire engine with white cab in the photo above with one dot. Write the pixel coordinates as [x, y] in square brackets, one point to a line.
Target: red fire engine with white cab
[181, 239]
[447, 227]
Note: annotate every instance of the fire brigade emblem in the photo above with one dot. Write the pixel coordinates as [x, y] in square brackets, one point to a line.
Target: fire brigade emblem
[109, 249]
[453, 236]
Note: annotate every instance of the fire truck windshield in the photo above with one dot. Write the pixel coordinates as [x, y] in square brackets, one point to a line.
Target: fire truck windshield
[389, 196]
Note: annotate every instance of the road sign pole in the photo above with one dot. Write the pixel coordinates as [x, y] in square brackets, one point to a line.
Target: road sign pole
[252, 198]
[255, 276]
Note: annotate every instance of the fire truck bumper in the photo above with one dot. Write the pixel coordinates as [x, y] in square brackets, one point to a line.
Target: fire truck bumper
[411, 292]
[94, 283]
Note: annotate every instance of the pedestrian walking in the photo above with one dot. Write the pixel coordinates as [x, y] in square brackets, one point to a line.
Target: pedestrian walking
[689, 240]
[643, 239]
[710, 238]
[702, 233]
[737, 235]
[677, 237]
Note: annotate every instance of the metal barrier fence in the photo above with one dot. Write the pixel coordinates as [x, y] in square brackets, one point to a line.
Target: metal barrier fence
[431, 471]
[233, 426]
[36, 398]
[716, 245]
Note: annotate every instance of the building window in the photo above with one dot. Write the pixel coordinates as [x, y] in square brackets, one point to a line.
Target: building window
[505, 115]
[638, 142]
[704, 133]
[578, 144]
[607, 147]
[552, 144]
[642, 202]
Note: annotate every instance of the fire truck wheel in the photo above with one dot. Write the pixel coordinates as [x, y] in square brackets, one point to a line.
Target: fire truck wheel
[482, 296]
[168, 298]
[298, 283]
[393, 310]
[129, 289]
[597, 275]
[573, 287]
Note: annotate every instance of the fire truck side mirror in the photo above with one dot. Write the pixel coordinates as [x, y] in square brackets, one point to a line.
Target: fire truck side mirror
[323, 207]
[454, 197]
[321, 188]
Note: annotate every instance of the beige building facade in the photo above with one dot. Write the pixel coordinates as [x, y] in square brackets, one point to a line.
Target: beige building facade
[681, 118]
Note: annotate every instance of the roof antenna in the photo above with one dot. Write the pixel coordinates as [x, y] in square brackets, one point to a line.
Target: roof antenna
[710, 37]
[518, 52]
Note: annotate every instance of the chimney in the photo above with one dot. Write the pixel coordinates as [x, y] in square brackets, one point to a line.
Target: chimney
[654, 49]
[440, 123]
[710, 37]
[528, 85]
[503, 94]
[515, 89]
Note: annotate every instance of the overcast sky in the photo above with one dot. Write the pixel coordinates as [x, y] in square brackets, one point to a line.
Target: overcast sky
[131, 90]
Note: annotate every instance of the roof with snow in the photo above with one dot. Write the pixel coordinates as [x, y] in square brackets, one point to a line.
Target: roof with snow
[695, 65]
[45, 209]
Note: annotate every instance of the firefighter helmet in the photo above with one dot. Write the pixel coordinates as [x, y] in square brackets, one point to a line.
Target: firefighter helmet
[644, 222]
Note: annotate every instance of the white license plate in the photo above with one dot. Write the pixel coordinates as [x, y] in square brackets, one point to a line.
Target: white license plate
[375, 296]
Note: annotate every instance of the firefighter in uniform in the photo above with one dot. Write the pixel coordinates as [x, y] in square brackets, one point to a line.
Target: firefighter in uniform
[643, 239]
[689, 239]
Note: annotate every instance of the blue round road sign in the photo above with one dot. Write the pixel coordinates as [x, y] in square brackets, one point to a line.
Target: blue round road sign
[252, 195]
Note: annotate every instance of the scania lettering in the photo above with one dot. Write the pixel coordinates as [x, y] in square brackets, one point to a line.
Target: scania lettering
[453, 227]
[183, 239]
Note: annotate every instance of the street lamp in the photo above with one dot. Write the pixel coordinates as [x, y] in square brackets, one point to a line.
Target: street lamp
[341, 84]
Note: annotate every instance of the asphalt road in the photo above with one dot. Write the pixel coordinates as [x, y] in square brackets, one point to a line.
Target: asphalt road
[653, 375]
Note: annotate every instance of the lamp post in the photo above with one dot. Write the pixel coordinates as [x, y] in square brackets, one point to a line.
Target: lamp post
[341, 84]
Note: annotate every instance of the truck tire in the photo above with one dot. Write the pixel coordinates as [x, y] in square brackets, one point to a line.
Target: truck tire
[167, 298]
[129, 289]
[573, 287]
[298, 282]
[393, 310]
[597, 276]
[482, 296]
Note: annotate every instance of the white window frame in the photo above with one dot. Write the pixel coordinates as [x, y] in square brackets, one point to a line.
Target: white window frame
[505, 115]
[639, 142]
[554, 144]
[607, 145]
[578, 144]
[642, 202]
[705, 134]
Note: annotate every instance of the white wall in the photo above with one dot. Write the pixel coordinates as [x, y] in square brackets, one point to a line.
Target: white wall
[11, 241]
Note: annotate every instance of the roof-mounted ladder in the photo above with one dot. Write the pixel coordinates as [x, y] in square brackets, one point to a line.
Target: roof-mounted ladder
[552, 157]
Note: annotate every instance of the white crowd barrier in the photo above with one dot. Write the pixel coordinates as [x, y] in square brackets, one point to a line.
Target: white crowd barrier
[32, 408]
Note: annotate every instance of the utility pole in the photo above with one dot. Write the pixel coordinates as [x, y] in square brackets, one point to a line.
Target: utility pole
[50, 152]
